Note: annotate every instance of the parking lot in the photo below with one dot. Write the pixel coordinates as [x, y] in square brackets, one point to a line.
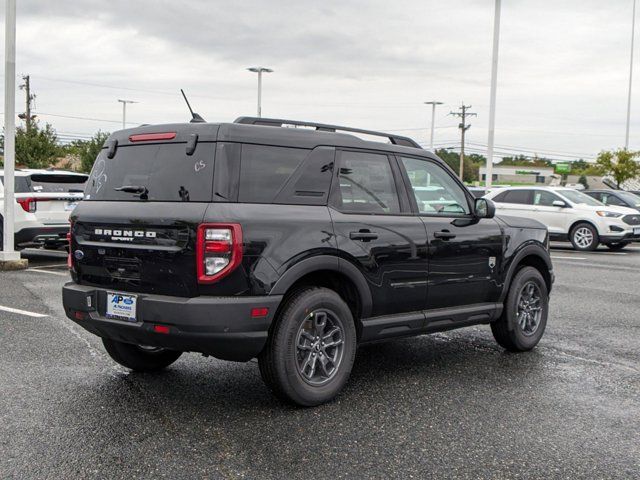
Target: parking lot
[445, 405]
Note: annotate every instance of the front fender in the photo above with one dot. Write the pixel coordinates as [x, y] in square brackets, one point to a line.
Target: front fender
[529, 249]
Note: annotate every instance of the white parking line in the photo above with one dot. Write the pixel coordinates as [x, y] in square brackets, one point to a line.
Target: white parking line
[567, 258]
[23, 312]
[47, 271]
[59, 265]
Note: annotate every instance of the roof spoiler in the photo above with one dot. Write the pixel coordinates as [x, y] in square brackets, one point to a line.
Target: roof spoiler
[322, 127]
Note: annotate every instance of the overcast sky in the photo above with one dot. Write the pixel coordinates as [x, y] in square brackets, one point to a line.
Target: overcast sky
[562, 84]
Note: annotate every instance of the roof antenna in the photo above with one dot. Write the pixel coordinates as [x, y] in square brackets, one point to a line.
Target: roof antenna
[195, 118]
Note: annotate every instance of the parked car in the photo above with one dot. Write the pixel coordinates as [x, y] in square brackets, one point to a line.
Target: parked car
[572, 215]
[293, 246]
[618, 198]
[45, 199]
[479, 192]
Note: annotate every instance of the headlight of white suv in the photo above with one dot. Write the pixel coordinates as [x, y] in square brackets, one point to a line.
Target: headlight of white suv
[604, 213]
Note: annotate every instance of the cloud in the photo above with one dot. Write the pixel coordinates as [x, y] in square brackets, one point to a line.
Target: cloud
[562, 77]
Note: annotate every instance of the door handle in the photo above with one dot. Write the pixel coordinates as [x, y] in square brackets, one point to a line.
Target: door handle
[363, 235]
[444, 235]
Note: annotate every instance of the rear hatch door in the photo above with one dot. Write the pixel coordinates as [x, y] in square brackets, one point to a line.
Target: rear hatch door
[144, 241]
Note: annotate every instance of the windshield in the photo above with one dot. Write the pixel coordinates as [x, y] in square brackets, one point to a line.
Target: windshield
[579, 198]
[165, 173]
[630, 198]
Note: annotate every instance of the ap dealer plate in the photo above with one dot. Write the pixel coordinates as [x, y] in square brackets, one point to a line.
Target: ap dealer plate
[121, 306]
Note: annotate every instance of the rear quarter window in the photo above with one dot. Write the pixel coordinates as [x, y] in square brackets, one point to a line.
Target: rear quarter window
[264, 171]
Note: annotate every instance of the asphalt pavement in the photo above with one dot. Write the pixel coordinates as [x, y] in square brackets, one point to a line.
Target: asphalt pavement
[450, 405]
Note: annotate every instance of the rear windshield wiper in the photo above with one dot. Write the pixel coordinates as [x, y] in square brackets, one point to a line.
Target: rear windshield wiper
[140, 190]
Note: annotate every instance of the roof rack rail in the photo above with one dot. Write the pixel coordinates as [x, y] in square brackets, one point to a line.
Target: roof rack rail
[277, 122]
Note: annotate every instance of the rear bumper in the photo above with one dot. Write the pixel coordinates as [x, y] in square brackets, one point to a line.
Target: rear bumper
[40, 235]
[218, 326]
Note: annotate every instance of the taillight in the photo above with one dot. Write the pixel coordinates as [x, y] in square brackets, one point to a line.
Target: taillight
[28, 204]
[218, 250]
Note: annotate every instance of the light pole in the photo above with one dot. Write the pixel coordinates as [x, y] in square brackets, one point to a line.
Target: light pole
[633, 33]
[492, 99]
[259, 71]
[433, 104]
[124, 111]
[8, 254]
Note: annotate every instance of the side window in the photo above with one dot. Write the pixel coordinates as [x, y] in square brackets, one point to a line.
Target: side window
[523, 197]
[612, 200]
[264, 171]
[366, 184]
[500, 197]
[436, 193]
[544, 198]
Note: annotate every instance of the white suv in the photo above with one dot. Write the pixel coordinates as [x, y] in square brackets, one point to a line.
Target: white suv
[44, 200]
[572, 215]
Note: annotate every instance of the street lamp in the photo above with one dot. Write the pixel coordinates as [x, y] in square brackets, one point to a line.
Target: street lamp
[633, 32]
[492, 99]
[259, 71]
[124, 111]
[433, 104]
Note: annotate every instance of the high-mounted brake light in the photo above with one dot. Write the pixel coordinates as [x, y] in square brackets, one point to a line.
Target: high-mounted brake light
[29, 205]
[218, 250]
[150, 137]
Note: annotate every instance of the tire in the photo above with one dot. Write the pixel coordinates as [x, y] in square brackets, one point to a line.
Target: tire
[292, 362]
[138, 358]
[580, 236]
[616, 245]
[508, 331]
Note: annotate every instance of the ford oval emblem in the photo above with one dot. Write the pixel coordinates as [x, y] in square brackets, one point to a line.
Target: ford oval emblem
[78, 254]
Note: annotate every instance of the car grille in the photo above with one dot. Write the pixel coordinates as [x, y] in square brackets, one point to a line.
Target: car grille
[631, 219]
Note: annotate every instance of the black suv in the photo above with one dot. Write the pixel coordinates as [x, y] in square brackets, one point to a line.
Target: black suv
[292, 245]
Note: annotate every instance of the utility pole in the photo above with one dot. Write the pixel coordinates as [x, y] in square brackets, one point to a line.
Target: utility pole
[633, 33]
[30, 97]
[463, 114]
[433, 104]
[124, 111]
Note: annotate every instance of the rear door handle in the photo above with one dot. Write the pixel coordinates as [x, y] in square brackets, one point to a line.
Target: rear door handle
[444, 235]
[363, 235]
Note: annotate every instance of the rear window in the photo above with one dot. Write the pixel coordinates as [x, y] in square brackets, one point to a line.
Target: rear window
[514, 196]
[21, 184]
[166, 171]
[58, 183]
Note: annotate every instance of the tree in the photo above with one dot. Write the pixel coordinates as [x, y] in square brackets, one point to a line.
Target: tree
[620, 164]
[583, 181]
[88, 150]
[472, 163]
[37, 149]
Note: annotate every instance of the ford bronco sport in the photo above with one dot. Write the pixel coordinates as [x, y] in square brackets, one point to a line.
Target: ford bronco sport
[292, 245]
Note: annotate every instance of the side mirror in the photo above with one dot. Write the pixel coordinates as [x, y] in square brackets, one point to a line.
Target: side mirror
[559, 203]
[484, 208]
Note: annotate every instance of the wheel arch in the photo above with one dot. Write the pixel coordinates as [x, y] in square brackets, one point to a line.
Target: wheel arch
[535, 256]
[578, 222]
[330, 272]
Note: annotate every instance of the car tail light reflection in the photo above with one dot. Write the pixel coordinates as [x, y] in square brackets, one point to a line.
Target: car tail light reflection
[218, 250]
[69, 254]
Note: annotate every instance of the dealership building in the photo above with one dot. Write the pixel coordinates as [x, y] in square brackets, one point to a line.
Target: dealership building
[517, 174]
